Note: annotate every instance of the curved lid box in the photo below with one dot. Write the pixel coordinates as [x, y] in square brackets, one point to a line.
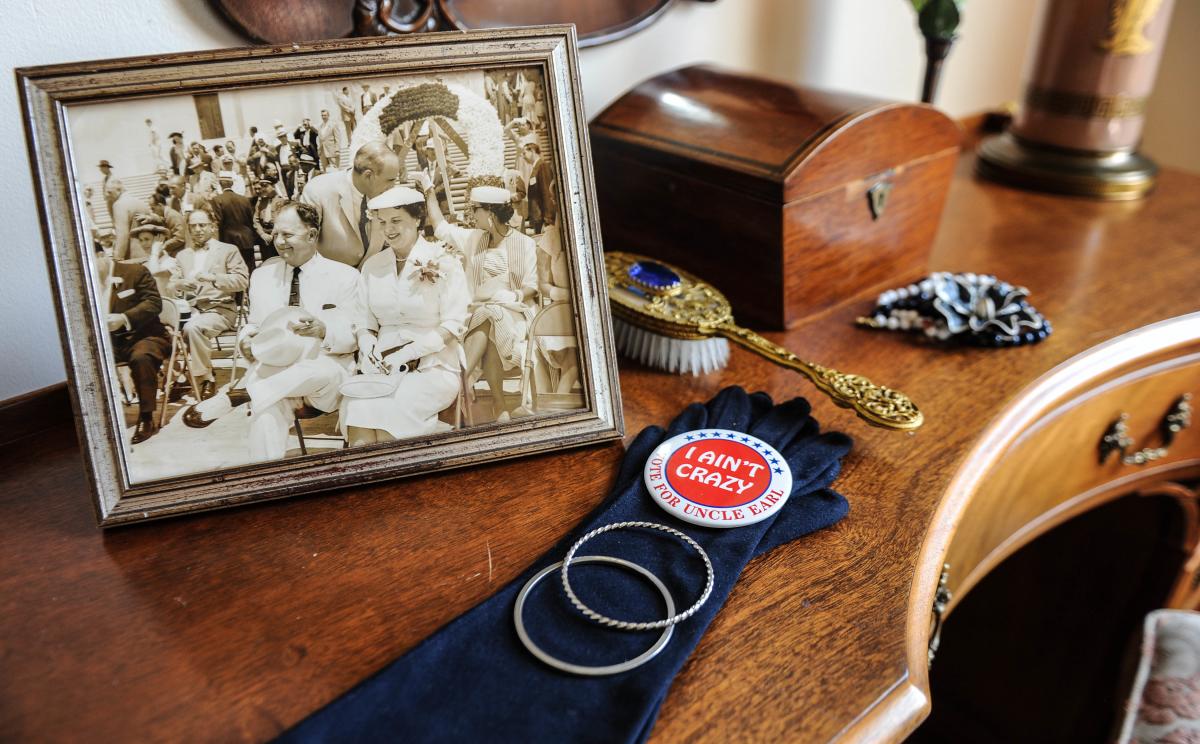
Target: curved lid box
[765, 189]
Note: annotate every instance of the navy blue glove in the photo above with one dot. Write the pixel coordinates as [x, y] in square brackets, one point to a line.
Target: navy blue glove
[474, 681]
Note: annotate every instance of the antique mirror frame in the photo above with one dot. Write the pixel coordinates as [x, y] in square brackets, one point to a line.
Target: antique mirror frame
[47, 91]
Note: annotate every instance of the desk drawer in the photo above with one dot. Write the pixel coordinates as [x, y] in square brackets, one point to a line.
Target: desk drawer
[1053, 469]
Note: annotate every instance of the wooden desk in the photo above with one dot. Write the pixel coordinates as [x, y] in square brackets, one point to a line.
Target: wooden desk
[234, 625]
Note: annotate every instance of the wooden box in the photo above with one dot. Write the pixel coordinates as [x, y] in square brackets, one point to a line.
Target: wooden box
[787, 199]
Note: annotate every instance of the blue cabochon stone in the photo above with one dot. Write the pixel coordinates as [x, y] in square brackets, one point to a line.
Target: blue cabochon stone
[654, 275]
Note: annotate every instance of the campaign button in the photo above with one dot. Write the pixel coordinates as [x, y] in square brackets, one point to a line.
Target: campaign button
[718, 478]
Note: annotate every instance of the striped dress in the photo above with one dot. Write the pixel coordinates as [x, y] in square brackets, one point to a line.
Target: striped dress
[511, 265]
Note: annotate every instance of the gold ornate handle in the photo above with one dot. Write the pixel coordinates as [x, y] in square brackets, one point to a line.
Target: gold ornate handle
[877, 405]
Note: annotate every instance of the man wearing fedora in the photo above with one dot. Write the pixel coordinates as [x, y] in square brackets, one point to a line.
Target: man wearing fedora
[340, 198]
[235, 218]
[211, 272]
[300, 336]
[367, 98]
[284, 146]
[138, 337]
[308, 166]
[293, 176]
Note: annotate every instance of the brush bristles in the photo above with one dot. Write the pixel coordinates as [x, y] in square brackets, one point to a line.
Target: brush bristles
[670, 354]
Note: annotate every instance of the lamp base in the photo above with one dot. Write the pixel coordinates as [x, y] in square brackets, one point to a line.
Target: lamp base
[1114, 176]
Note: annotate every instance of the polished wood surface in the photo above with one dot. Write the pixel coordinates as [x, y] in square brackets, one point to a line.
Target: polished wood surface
[762, 187]
[1052, 471]
[232, 626]
[741, 122]
[833, 248]
[35, 411]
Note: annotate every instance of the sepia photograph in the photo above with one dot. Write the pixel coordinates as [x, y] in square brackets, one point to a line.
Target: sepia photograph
[330, 268]
[311, 267]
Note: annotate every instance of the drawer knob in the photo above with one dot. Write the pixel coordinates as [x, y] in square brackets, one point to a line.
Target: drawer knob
[1116, 438]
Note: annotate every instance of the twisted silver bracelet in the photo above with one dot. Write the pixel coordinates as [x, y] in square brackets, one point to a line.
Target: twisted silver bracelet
[624, 624]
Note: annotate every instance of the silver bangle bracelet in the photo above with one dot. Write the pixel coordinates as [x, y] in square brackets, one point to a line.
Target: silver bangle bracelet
[624, 624]
[592, 671]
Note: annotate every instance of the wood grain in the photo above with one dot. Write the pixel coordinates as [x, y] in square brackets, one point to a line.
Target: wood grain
[1052, 470]
[34, 411]
[232, 626]
[761, 186]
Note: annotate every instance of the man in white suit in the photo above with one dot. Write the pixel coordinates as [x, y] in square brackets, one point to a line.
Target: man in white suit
[345, 102]
[330, 307]
[329, 141]
[340, 198]
[212, 272]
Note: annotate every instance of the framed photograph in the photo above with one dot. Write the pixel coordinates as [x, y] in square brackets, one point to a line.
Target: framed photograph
[280, 271]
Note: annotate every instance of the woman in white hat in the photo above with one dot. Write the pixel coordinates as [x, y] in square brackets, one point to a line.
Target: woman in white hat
[501, 266]
[416, 296]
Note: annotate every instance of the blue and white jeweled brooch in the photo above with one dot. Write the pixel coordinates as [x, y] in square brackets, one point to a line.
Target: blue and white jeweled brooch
[974, 309]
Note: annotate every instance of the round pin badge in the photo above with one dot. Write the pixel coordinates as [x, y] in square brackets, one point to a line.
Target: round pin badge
[718, 478]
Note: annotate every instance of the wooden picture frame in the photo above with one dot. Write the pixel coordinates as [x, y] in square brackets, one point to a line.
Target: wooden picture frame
[56, 99]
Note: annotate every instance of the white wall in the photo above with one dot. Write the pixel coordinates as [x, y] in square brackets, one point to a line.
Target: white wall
[867, 46]
[1172, 133]
[864, 46]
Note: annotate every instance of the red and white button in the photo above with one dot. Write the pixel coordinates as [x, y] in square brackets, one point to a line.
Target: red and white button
[718, 478]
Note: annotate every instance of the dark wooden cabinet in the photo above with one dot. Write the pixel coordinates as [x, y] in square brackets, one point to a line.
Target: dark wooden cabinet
[1043, 648]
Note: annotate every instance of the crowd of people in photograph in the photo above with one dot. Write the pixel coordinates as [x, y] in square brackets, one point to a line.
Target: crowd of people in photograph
[327, 270]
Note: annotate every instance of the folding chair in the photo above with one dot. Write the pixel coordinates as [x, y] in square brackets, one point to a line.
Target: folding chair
[305, 413]
[553, 322]
[460, 409]
[176, 365]
[243, 313]
[243, 301]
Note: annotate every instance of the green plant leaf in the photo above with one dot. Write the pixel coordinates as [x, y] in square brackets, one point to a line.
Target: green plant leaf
[938, 18]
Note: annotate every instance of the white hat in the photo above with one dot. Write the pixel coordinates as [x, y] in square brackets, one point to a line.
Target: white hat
[490, 195]
[277, 345]
[396, 196]
[226, 175]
